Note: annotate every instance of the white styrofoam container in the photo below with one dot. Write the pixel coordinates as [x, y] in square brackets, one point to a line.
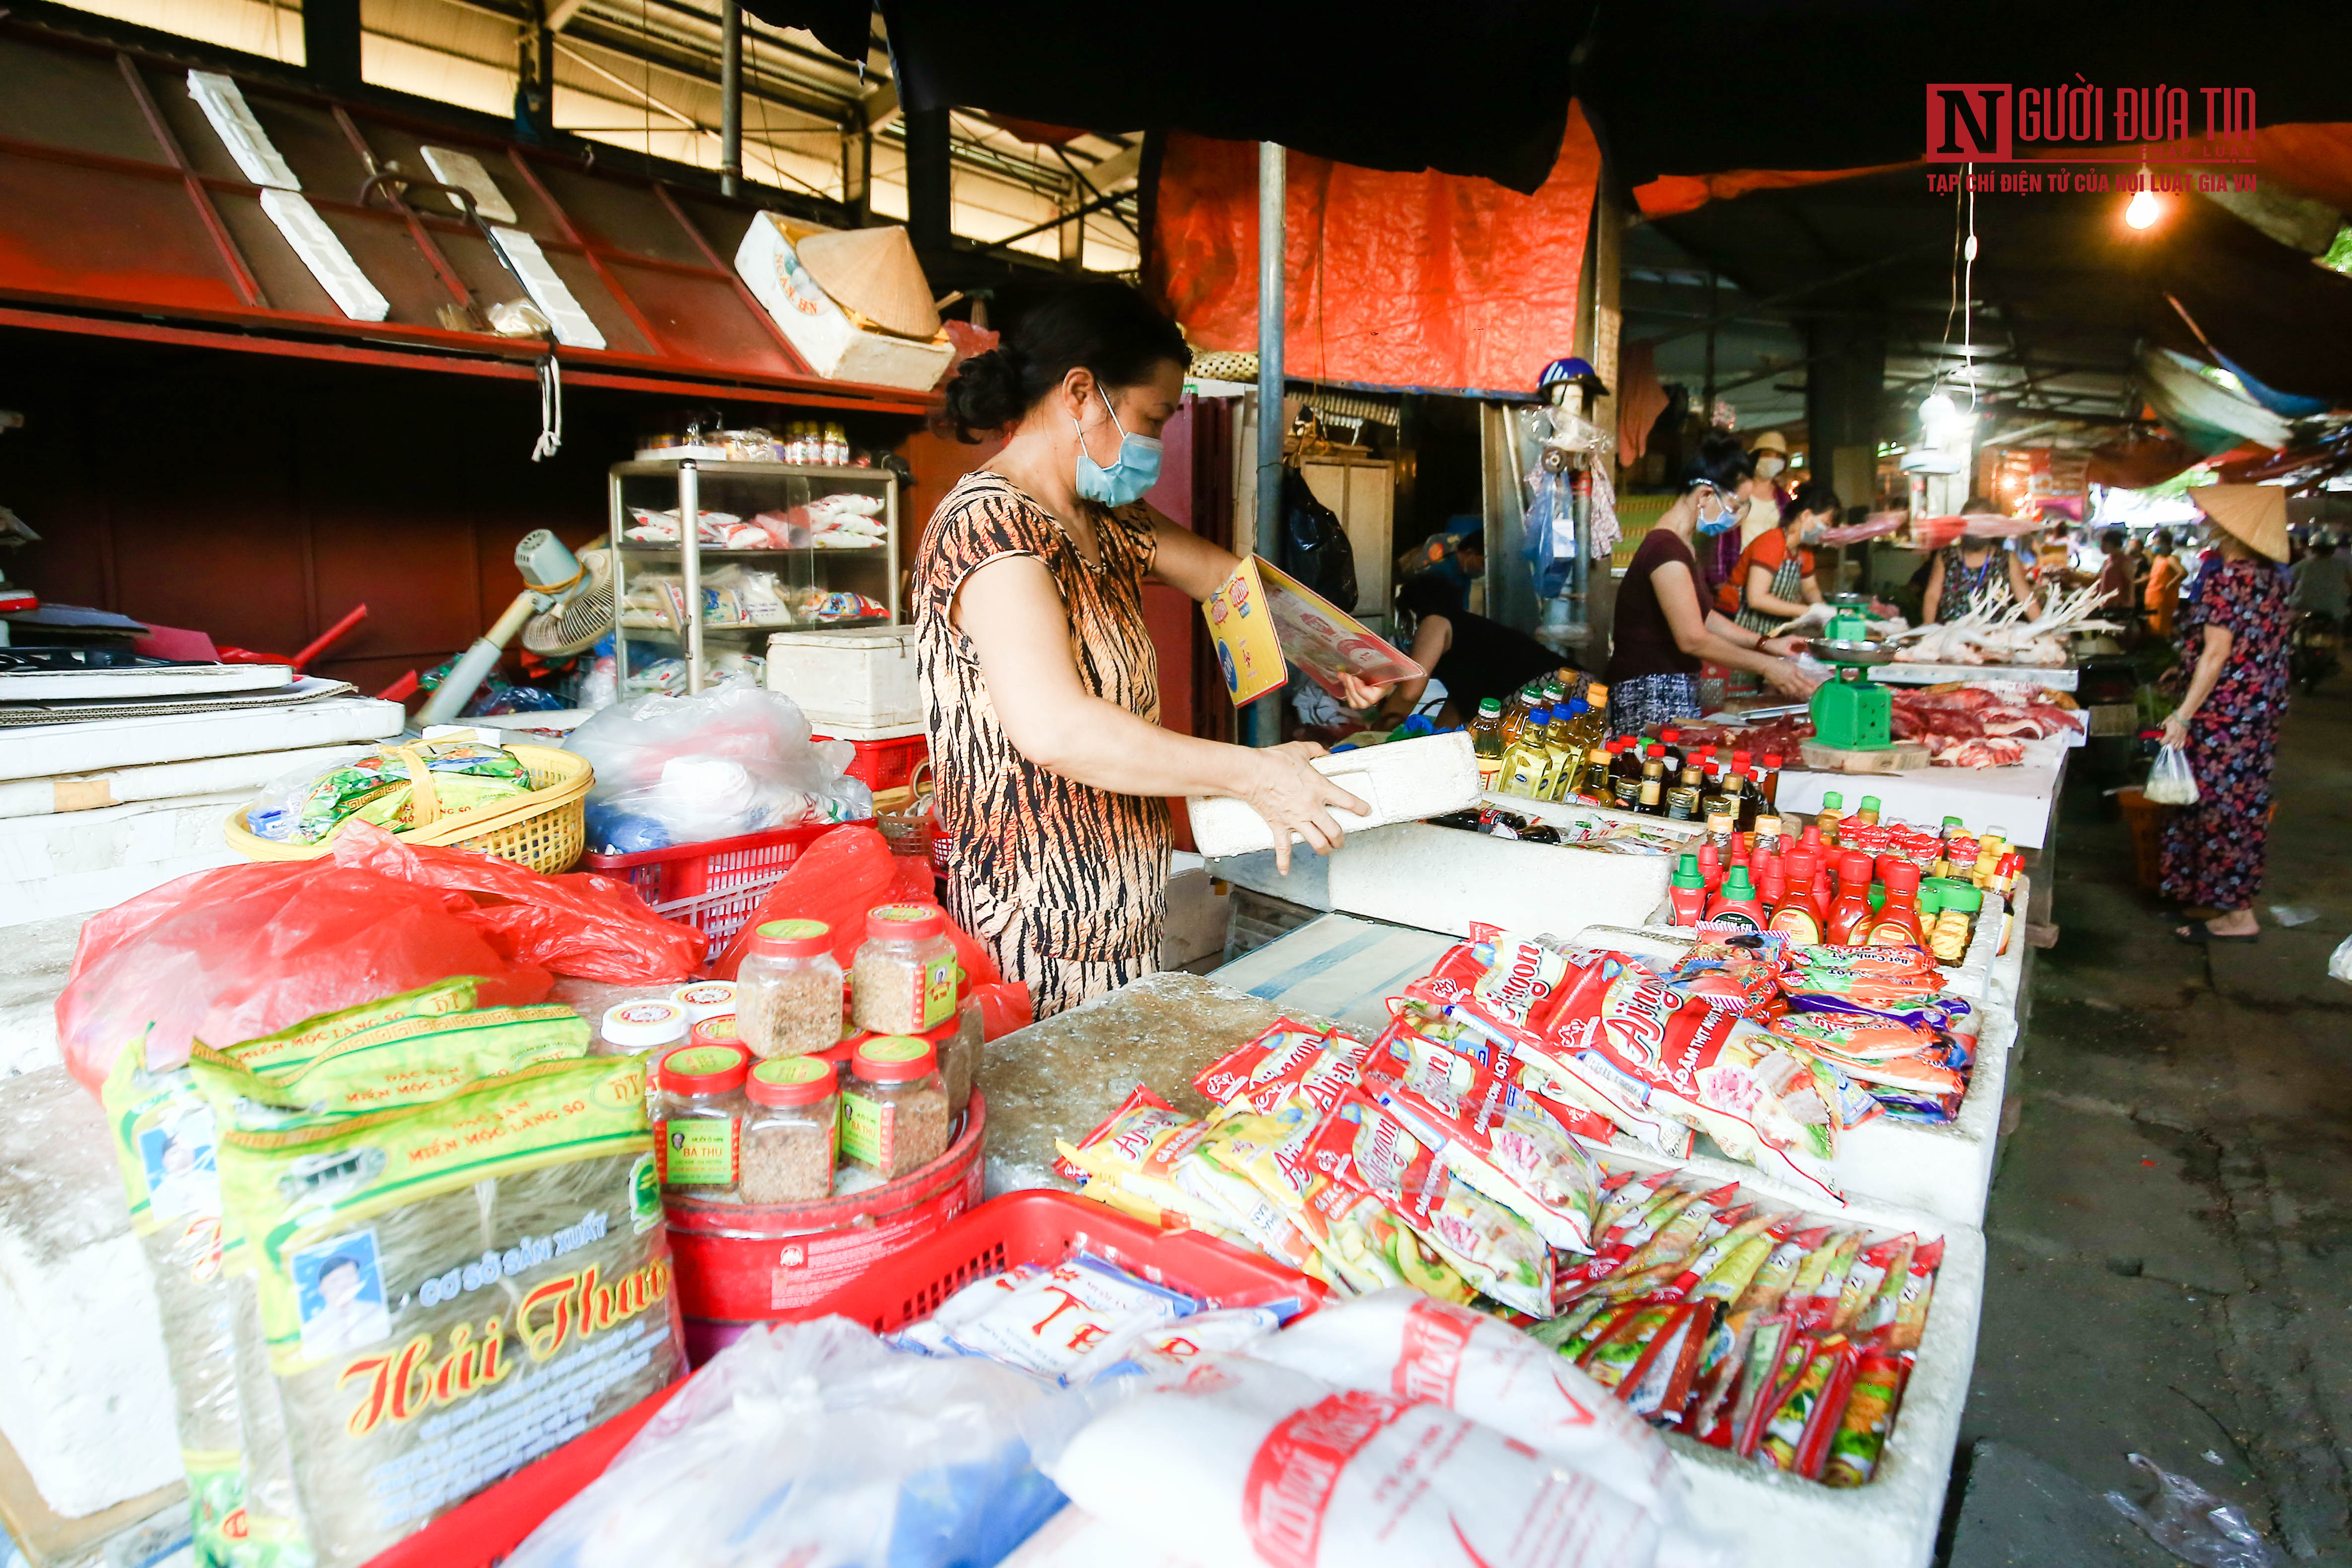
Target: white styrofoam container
[2006, 976]
[89, 1408]
[93, 745]
[71, 862]
[1404, 781]
[849, 681]
[833, 346]
[164, 781]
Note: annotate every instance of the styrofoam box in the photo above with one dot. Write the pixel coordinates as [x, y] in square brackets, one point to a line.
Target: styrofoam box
[70, 862]
[88, 1406]
[2005, 976]
[1785, 1521]
[833, 346]
[1403, 782]
[849, 681]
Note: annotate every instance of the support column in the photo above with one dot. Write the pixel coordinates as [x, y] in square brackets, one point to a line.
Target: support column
[730, 98]
[930, 191]
[1844, 385]
[330, 43]
[1273, 241]
[534, 107]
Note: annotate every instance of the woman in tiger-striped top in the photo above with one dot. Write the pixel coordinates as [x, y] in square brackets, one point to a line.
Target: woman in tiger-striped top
[1040, 686]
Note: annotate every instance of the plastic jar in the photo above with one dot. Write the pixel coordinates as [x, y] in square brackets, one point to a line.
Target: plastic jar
[788, 993]
[904, 979]
[791, 1131]
[960, 1054]
[705, 999]
[698, 1122]
[894, 1112]
[644, 1026]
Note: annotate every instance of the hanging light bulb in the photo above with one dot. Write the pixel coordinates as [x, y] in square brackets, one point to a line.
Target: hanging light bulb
[2143, 209]
[1936, 411]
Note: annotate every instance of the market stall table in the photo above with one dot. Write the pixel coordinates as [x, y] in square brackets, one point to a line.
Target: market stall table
[2022, 800]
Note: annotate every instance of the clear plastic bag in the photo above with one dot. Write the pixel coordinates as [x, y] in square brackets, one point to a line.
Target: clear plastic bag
[686, 770]
[2169, 782]
[2339, 964]
[815, 1444]
[2196, 1526]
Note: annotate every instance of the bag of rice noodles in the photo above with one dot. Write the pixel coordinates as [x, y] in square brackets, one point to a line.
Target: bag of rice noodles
[444, 1291]
[164, 1141]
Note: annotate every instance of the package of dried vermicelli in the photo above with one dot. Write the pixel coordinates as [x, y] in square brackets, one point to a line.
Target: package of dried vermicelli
[446, 1291]
[164, 1141]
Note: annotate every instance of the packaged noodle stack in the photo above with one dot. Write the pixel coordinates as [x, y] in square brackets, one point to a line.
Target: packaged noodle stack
[443, 1256]
[165, 1141]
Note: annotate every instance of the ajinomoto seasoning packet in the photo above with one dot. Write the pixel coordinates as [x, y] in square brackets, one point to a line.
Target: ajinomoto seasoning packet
[448, 1290]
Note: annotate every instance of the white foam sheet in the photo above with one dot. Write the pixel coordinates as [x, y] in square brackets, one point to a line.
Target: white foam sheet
[164, 781]
[1401, 782]
[1788, 1522]
[88, 1401]
[75, 862]
[1338, 967]
[94, 745]
[2021, 799]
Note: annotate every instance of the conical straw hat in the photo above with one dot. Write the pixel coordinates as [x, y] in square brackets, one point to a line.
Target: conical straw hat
[2254, 514]
[874, 272]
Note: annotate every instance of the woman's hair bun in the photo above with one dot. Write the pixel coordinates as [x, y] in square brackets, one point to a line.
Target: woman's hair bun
[984, 394]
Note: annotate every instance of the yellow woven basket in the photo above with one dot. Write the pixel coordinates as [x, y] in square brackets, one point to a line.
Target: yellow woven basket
[545, 830]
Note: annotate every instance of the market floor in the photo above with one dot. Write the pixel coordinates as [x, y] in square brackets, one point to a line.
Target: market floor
[2170, 1238]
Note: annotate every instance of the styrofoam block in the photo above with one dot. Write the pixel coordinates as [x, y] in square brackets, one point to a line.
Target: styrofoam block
[1404, 781]
[572, 326]
[1788, 1522]
[863, 678]
[93, 745]
[72, 862]
[1442, 878]
[832, 344]
[1336, 967]
[465, 171]
[166, 780]
[1947, 1170]
[88, 1407]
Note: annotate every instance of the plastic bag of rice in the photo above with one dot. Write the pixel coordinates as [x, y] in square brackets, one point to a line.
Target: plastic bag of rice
[446, 1291]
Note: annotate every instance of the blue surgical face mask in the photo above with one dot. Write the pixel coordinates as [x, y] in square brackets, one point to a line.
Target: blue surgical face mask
[1135, 470]
[1720, 523]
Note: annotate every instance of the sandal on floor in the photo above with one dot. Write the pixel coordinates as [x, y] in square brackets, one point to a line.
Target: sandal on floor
[2197, 933]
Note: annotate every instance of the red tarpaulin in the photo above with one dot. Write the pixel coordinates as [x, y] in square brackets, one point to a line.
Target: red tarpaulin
[1428, 282]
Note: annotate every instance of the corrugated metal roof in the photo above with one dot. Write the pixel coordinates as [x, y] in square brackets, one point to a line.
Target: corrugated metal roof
[643, 74]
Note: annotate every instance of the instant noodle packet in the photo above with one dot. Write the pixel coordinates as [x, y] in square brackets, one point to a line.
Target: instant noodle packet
[1797, 1431]
[1812, 1298]
[1131, 1163]
[1877, 1263]
[1908, 1323]
[392, 1065]
[1773, 1280]
[1286, 1059]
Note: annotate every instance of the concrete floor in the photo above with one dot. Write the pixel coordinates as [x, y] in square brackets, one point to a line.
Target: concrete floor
[2170, 1239]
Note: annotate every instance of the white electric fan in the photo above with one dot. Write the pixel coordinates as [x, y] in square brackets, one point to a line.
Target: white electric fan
[566, 607]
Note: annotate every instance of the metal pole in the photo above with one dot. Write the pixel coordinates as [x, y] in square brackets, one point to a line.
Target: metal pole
[690, 565]
[1272, 236]
[1707, 411]
[730, 98]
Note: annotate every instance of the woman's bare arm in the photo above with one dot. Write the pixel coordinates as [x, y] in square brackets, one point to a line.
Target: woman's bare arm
[1188, 562]
[1020, 631]
[1933, 599]
[2211, 659]
[1709, 636]
[1760, 595]
[2021, 589]
[1431, 638]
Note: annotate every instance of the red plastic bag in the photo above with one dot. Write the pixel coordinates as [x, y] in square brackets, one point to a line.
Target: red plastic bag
[230, 955]
[837, 879]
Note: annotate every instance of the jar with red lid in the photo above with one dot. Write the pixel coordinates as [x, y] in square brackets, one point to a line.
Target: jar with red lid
[791, 1131]
[698, 1120]
[894, 1112]
[788, 992]
[903, 980]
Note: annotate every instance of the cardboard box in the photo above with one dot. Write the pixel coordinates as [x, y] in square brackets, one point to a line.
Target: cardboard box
[833, 346]
[1263, 620]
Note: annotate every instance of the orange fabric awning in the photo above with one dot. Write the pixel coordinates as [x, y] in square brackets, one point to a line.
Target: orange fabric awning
[1672, 194]
[1420, 281]
[2317, 160]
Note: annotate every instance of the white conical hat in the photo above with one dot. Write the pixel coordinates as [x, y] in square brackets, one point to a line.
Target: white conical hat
[874, 272]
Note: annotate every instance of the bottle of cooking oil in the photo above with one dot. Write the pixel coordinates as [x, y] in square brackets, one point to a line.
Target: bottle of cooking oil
[1559, 738]
[1487, 741]
[1526, 764]
[1523, 701]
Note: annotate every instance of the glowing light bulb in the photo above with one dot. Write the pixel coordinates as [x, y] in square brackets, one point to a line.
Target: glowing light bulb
[2141, 210]
[1936, 410]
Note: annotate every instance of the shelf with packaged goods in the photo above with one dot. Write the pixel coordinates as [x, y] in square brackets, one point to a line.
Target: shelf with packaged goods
[692, 488]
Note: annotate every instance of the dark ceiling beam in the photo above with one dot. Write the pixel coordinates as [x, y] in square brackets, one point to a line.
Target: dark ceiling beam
[1848, 276]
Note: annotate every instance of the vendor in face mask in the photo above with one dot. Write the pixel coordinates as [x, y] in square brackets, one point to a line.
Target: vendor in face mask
[1664, 631]
[1763, 514]
[1040, 686]
[1774, 579]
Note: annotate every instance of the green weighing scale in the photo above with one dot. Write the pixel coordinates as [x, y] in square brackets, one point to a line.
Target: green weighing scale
[1850, 711]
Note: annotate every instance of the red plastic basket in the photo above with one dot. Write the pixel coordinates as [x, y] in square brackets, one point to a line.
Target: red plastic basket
[887, 764]
[1040, 1226]
[1044, 1226]
[715, 886]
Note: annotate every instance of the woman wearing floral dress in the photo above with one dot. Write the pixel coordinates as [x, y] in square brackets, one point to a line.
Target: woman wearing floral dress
[2236, 629]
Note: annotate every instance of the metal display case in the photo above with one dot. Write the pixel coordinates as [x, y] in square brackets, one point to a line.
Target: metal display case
[644, 572]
